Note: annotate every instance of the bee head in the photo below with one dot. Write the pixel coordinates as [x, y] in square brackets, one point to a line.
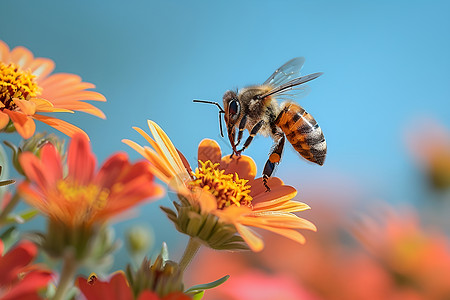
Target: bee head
[232, 108]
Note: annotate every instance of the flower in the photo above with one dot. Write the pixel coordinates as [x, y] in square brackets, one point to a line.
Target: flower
[27, 88]
[83, 199]
[415, 258]
[19, 279]
[222, 196]
[118, 288]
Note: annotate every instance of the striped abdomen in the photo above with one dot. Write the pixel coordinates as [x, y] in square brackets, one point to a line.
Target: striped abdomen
[303, 132]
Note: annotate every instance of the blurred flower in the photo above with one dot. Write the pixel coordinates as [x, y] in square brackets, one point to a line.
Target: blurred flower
[416, 259]
[429, 143]
[222, 196]
[117, 288]
[256, 285]
[27, 89]
[81, 201]
[18, 278]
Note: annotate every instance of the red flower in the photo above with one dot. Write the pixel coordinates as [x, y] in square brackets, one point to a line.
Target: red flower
[19, 279]
[117, 288]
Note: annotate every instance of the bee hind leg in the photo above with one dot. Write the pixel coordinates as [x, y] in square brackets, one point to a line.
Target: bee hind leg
[274, 160]
[253, 132]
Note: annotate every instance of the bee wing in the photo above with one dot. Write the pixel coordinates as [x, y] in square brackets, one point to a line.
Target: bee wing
[286, 72]
[292, 87]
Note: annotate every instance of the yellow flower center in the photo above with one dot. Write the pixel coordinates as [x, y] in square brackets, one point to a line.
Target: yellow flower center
[228, 189]
[16, 83]
[90, 196]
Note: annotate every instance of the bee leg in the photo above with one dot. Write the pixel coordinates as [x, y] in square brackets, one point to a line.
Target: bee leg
[241, 129]
[231, 137]
[253, 132]
[274, 159]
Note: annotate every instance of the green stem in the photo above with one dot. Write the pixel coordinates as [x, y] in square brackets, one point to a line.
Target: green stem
[189, 253]
[9, 208]
[67, 276]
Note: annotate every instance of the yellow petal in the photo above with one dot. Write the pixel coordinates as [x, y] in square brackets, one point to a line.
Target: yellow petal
[255, 242]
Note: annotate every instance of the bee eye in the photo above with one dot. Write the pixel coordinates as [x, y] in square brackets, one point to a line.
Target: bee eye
[234, 108]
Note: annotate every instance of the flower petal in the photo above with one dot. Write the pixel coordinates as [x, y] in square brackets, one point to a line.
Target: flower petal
[255, 243]
[243, 165]
[24, 124]
[27, 107]
[61, 125]
[81, 160]
[4, 52]
[276, 195]
[168, 149]
[209, 150]
[15, 260]
[21, 56]
[29, 285]
[42, 67]
[4, 119]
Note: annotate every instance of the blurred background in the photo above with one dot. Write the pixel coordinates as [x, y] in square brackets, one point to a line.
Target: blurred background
[383, 104]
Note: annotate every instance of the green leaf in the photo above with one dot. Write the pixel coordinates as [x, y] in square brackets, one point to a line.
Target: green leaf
[201, 287]
[22, 217]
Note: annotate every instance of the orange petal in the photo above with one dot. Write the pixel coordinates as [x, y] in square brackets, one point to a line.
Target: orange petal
[289, 233]
[209, 150]
[42, 67]
[77, 96]
[71, 88]
[161, 173]
[80, 106]
[255, 243]
[21, 56]
[24, 124]
[170, 152]
[287, 206]
[60, 125]
[4, 119]
[4, 52]
[28, 107]
[259, 188]
[244, 166]
[43, 105]
[59, 81]
[276, 195]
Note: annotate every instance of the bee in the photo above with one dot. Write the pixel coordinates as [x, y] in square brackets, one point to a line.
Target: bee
[257, 109]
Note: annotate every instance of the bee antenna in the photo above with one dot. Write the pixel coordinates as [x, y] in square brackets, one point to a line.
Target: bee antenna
[221, 111]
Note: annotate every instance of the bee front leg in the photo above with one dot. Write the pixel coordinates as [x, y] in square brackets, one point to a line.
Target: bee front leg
[253, 132]
[241, 129]
[274, 159]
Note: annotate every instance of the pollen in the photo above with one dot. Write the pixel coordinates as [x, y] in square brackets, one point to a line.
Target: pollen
[228, 189]
[90, 195]
[16, 83]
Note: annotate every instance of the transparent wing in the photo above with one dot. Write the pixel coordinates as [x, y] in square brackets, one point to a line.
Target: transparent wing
[292, 87]
[286, 72]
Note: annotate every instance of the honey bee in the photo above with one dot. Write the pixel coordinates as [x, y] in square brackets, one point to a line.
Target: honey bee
[257, 109]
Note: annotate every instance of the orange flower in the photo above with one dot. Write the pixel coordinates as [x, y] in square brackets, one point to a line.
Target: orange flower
[222, 190]
[416, 258]
[27, 89]
[118, 288]
[19, 279]
[84, 197]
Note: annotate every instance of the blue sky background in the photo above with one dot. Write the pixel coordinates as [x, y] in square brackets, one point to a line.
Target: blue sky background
[385, 62]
